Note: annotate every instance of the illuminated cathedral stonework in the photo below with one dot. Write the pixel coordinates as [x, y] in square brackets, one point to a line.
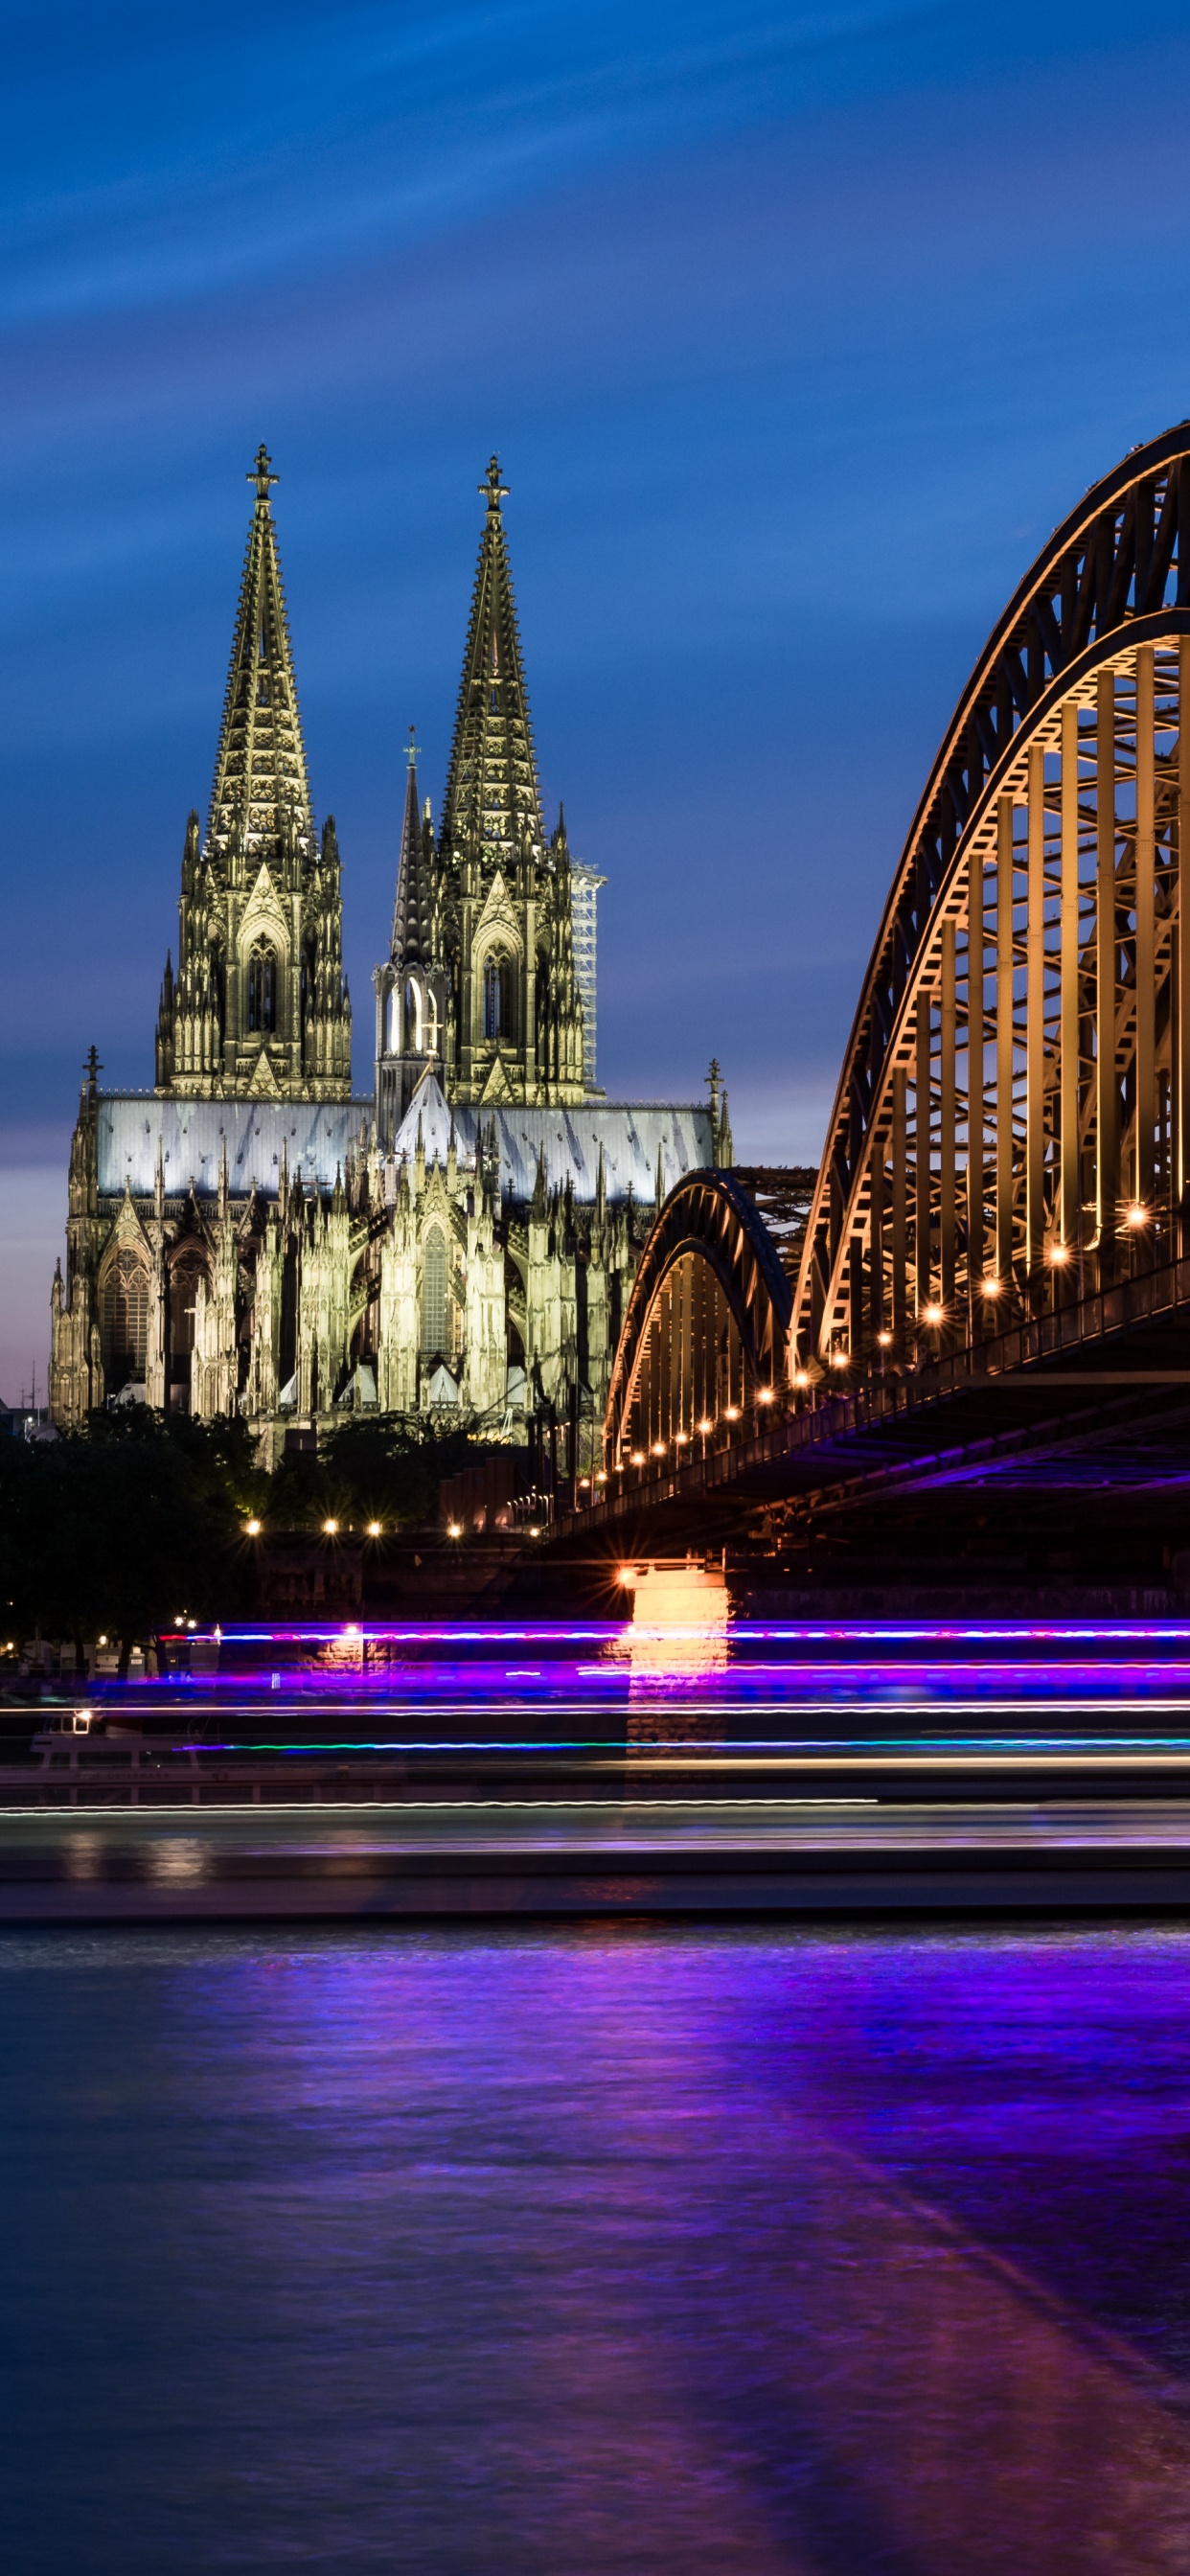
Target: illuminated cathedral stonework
[250, 1236]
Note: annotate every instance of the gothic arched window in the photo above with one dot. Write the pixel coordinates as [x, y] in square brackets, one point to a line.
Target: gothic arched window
[262, 988]
[498, 997]
[126, 1318]
[433, 1294]
[413, 1044]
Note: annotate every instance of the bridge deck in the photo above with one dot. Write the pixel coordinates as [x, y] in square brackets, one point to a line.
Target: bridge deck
[1110, 1370]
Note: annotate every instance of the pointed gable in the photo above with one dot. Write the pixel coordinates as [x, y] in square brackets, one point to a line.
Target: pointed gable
[428, 1113]
[261, 796]
[493, 800]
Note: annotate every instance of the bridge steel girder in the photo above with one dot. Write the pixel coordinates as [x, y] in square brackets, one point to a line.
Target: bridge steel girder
[709, 1218]
[1012, 1123]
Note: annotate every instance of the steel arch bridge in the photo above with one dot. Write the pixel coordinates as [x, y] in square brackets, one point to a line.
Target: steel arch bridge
[1007, 1166]
[1012, 1123]
[706, 1332]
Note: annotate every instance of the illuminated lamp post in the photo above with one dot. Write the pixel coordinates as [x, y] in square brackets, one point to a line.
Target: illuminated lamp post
[933, 1316]
[1136, 1218]
[991, 1296]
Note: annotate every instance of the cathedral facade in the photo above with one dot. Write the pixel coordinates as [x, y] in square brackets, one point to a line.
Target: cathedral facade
[252, 1236]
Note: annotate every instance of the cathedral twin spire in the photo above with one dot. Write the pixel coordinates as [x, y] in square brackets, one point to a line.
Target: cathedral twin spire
[493, 800]
[480, 979]
[259, 1007]
[260, 800]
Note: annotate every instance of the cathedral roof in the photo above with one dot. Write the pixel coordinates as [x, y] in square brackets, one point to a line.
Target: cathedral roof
[635, 1137]
[261, 791]
[316, 1136]
[492, 793]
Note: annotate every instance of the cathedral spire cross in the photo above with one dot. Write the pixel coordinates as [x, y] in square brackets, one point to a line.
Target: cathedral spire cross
[262, 474]
[414, 748]
[494, 490]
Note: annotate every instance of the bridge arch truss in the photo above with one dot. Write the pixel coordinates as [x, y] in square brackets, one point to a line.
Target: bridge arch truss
[706, 1331]
[1012, 1124]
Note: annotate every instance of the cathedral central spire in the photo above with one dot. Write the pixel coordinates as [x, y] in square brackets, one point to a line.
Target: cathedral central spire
[493, 798]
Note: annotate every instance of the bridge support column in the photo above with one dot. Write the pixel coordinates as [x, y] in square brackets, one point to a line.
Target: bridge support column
[1070, 1225]
[1181, 1051]
[1107, 1120]
[1005, 862]
[1146, 991]
[922, 1105]
[975, 1024]
[900, 1197]
[876, 1245]
[946, 1122]
[1035, 1028]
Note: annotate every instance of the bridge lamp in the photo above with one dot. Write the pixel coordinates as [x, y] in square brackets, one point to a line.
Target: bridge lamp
[991, 1287]
[731, 1413]
[252, 1528]
[840, 1359]
[373, 1529]
[638, 1458]
[658, 1447]
[764, 1395]
[681, 1439]
[1058, 1253]
[534, 1529]
[705, 1425]
[801, 1377]
[330, 1529]
[1136, 1215]
[454, 1529]
[932, 1314]
[178, 1623]
[601, 1475]
[584, 1480]
[884, 1341]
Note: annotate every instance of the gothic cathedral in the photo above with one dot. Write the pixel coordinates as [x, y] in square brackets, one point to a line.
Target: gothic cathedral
[250, 1235]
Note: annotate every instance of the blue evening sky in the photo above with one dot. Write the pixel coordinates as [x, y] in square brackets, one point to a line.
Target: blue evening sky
[797, 328]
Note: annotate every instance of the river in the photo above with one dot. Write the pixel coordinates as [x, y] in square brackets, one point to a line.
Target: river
[596, 2248]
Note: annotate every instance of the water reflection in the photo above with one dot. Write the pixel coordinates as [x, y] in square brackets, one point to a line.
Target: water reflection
[676, 1640]
[607, 2252]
